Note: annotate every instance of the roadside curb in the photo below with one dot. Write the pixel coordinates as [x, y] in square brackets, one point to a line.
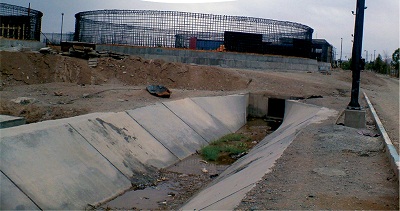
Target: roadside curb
[390, 149]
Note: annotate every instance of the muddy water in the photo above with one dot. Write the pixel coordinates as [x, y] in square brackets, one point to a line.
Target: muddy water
[149, 198]
[182, 180]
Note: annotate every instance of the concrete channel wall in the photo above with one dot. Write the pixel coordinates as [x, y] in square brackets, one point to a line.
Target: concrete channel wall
[223, 59]
[70, 163]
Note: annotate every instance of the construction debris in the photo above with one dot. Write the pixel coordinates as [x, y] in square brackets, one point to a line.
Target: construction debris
[159, 91]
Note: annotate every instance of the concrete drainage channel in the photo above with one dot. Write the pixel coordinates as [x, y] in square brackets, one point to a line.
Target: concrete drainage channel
[90, 159]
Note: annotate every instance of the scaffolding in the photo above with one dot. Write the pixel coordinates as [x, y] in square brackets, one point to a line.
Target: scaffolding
[180, 29]
[19, 22]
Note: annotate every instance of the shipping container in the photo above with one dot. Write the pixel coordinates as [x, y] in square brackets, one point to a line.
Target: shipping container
[243, 42]
[208, 44]
[193, 43]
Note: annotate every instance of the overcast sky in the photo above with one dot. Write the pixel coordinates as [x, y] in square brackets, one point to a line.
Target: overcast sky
[330, 19]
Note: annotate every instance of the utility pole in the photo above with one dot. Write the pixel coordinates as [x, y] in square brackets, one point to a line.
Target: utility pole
[62, 22]
[356, 56]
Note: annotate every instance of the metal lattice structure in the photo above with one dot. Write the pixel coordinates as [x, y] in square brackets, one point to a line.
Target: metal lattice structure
[19, 22]
[175, 29]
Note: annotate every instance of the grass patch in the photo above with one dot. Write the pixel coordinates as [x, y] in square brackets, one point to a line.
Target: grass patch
[225, 147]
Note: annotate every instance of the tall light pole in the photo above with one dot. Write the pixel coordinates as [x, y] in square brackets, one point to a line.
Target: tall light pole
[341, 49]
[356, 56]
[374, 55]
[62, 22]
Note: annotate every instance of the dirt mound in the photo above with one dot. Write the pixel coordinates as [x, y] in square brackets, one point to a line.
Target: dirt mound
[35, 68]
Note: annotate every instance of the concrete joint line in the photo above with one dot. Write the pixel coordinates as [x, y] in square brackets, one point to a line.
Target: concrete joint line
[252, 184]
[152, 135]
[100, 153]
[185, 122]
[390, 149]
[21, 190]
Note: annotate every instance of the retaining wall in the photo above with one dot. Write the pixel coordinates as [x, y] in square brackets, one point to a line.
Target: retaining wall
[223, 59]
[20, 45]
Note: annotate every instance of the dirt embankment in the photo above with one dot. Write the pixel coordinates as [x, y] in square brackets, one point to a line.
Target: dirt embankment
[33, 68]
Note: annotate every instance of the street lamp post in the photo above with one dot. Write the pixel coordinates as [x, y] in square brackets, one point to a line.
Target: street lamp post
[356, 56]
[62, 22]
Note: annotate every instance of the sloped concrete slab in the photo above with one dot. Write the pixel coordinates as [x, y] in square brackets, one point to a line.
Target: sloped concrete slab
[168, 129]
[11, 121]
[57, 168]
[229, 189]
[126, 145]
[199, 120]
[230, 110]
[12, 198]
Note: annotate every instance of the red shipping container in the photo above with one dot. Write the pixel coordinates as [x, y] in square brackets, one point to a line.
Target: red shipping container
[192, 43]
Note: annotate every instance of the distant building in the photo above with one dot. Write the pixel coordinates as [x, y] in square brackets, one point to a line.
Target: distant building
[322, 51]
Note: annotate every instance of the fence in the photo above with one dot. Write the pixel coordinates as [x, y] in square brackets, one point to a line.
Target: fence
[181, 29]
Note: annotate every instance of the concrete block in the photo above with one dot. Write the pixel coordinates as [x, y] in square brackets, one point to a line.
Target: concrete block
[57, 168]
[230, 110]
[168, 129]
[199, 120]
[355, 118]
[11, 121]
[12, 198]
[126, 145]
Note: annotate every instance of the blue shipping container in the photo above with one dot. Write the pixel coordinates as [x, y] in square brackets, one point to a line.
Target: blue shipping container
[208, 44]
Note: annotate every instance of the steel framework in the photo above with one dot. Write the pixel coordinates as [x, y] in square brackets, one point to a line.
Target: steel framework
[175, 29]
[20, 22]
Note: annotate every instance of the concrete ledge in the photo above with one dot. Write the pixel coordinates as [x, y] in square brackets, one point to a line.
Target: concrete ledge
[11, 121]
[390, 149]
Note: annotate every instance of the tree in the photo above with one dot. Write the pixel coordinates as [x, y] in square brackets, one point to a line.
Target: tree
[346, 65]
[395, 61]
[380, 66]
